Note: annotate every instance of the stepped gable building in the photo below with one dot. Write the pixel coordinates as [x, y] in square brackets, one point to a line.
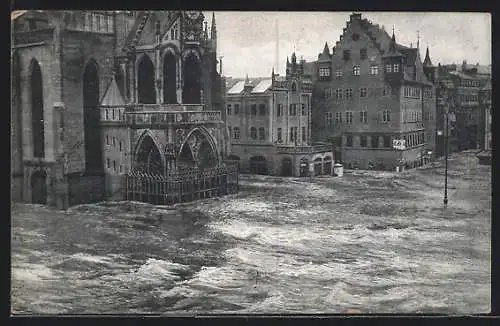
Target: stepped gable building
[269, 121]
[101, 97]
[372, 100]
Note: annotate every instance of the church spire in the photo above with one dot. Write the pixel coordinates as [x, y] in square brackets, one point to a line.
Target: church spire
[326, 50]
[427, 60]
[418, 40]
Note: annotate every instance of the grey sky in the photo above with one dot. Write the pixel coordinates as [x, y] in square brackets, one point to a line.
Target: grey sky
[247, 40]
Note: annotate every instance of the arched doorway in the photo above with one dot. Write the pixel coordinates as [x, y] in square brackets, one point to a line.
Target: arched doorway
[91, 119]
[287, 167]
[39, 187]
[146, 89]
[37, 118]
[198, 151]
[206, 156]
[258, 165]
[192, 75]
[327, 165]
[318, 162]
[169, 79]
[186, 158]
[148, 157]
[304, 167]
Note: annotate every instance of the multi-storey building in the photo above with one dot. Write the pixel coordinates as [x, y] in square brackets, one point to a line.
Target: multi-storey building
[269, 122]
[99, 95]
[372, 100]
[463, 87]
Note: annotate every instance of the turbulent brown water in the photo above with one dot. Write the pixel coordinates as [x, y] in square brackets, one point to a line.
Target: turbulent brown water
[379, 242]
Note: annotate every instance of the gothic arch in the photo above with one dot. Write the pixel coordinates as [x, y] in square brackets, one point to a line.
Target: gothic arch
[201, 143]
[148, 156]
[191, 72]
[37, 109]
[169, 72]
[92, 117]
[146, 85]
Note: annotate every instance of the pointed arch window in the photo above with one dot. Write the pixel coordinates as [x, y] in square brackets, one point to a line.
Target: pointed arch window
[191, 92]
[146, 81]
[169, 78]
[37, 110]
[91, 118]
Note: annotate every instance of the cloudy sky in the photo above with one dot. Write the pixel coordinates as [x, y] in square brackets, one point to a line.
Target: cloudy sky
[247, 40]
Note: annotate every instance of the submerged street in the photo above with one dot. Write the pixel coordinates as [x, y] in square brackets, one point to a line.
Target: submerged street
[379, 242]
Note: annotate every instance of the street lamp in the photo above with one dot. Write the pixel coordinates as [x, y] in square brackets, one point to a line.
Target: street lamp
[445, 200]
[446, 103]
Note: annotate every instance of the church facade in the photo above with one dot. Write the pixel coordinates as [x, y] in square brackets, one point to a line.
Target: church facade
[101, 96]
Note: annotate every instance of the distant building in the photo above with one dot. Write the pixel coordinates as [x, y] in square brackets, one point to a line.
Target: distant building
[372, 100]
[464, 85]
[269, 122]
[485, 107]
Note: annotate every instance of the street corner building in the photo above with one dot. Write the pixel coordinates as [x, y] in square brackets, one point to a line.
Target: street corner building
[117, 105]
[466, 91]
[269, 124]
[374, 99]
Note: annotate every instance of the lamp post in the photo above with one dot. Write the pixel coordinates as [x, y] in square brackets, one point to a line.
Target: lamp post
[445, 200]
[446, 102]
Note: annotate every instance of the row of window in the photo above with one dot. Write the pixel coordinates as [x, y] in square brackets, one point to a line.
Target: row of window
[262, 109]
[98, 23]
[411, 140]
[324, 72]
[413, 92]
[363, 117]
[469, 98]
[470, 83]
[108, 165]
[236, 133]
[347, 93]
[292, 110]
[375, 141]
[293, 134]
[114, 113]
[363, 54]
[413, 116]
[253, 109]
[113, 142]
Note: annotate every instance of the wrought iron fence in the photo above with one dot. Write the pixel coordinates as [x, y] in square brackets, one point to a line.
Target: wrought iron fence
[183, 186]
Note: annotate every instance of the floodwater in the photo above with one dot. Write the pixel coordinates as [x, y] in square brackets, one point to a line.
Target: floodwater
[378, 242]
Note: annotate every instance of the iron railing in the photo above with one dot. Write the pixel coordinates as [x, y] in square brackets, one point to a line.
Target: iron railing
[183, 186]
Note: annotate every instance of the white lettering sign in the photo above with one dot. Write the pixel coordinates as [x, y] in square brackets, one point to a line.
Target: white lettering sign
[399, 144]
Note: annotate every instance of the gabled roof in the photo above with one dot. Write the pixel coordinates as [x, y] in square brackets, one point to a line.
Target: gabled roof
[263, 86]
[410, 54]
[237, 88]
[112, 96]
